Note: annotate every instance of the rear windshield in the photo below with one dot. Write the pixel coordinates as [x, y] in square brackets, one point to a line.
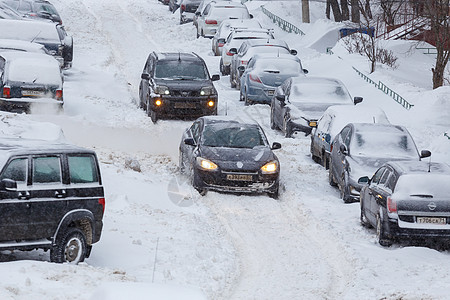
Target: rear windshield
[320, 92]
[279, 65]
[423, 185]
[32, 71]
[180, 70]
[230, 12]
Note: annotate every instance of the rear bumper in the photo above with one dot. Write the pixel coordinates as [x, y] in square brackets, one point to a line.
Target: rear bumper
[261, 95]
[24, 104]
[397, 232]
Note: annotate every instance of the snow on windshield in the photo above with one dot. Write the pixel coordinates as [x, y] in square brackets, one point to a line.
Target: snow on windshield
[268, 49]
[383, 142]
[35, 71]
[424, 184]
[29, 31]
[278, 65]
[180, 70]
[232, 136]
[319, 92]
[229, 13]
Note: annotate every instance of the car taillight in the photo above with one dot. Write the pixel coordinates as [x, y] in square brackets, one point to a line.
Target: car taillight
[6, 92]
[220, 44]
[59, 95]
[101, 201]
[254, 78]
[183, 7]
[243, 62]
[229, 53]
[391, 205]
[210, 21]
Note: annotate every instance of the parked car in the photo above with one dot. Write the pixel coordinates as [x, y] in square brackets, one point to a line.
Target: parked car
[250, 48]
[51, 35]
[225, 29]
[199, 11]
[360, 148]
[188, 9]
[6, 12]
[177, 84]
[165, 2]
[331, 123]
[40, 9]
[217, 11]
[264, 73]
[223, 154]
[29, 79]
[173, 5]
[300, 100]
[51, 198]
[407, 201]
[234, 41]
[23, 46]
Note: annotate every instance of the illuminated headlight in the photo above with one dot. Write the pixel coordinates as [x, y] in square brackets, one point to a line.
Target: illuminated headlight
[206, 91]
[270, 167]
[162, 90]
[211, 103]
[206, 164]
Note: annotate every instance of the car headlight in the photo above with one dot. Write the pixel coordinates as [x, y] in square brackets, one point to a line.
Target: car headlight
[206, 91]
[162, 90]
[270, 167]
[206, 165]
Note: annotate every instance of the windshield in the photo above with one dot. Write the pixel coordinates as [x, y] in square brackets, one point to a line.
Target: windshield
[319, 92]
[180, 70]
[232, 136]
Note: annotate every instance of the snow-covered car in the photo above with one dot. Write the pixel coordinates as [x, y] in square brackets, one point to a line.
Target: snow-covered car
[177, 85]
[333, 120]
[18, 45]
[225, 29]
[51, 198]
[6, 12]
[223, 154]
[188, 9]
[407, 201]
[29, 79]
[39, 9]
[361, 148]
[53, 36]
[300, 100]
[264, 73]
[199, 11]
[217, 11]
[250, 48]
[235, 40]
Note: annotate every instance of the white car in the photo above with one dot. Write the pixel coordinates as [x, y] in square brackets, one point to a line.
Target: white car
[24, 46]
[215, 12]
[225, 29]
[235, 39]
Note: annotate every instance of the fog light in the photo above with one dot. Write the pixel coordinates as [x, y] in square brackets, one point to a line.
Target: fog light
[158, 102]
[211, 103]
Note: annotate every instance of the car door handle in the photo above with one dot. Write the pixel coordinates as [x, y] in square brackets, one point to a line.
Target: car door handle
[24, 195]
[60, 194]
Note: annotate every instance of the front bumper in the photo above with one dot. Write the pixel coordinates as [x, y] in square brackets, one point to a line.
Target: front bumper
[219, 181]
[296, 126]
[181, 106]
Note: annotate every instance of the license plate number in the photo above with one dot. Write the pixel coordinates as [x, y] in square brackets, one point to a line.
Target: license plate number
[429, 220]
[31, 93]
[239, 177]
[184, 105]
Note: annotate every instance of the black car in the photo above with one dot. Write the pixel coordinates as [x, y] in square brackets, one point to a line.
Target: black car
[408, 201]
[360, 148]
[187, 10]
[51, 198]
[225, 155]
[177, 85]
[40, 9]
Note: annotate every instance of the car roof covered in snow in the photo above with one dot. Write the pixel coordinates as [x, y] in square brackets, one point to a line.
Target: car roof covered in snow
[18, 45]
[417, 167]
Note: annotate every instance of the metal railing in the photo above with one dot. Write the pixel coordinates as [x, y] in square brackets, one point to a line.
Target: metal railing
[428, 50]
[283, 24]
[385, 89]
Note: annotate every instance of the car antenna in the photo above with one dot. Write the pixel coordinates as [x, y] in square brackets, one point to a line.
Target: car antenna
[39, 33]
[429, 165]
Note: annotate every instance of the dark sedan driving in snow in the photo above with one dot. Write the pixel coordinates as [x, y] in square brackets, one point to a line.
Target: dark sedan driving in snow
[225, 155]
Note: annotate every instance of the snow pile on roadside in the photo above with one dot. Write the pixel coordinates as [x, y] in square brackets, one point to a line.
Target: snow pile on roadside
[19, 125]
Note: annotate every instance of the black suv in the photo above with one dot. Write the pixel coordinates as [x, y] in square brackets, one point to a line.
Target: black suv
[51, 198]
[177, 84]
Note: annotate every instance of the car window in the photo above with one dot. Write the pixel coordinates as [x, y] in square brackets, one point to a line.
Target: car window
[384, 177]
[24, 6]
[16, 170]
[46, 169]
[344, 133]
[392, 180]
[377, 176]
[324, 123]
[82, 169]
[195, 131]
[206, 10]
[180, 70]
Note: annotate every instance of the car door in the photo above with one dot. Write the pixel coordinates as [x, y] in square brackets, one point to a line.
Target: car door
[339, 159]
[370, 201]
[320, 135]
[145, 82]
[383, 190]
[14, 203]
[194, 133]
[279, 106]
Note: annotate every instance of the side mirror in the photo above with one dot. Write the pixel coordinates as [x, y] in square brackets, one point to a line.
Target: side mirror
[241, 70]
[145, 76]
[221, 41]
[357, 100]
[293, 52]
[197, 13]
[276, 146]
[425, 153]
[312, 123]
[305, 71]
[233, 51]
[281, 98]
[343, 149]
[215, 77]
[251, 16]
[8, 185]
[364, 180]
[189, 141]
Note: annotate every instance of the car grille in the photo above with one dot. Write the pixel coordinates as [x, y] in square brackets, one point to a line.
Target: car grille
[188, 94]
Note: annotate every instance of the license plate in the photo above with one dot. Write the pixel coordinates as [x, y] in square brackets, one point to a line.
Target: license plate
[429, 220]
[239, 177]
[32, 93]
[184, 105]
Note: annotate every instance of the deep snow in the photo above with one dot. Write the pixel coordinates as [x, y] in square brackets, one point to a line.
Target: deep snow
[160, 235]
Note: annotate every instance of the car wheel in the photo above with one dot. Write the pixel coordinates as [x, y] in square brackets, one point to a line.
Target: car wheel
[241, 96]
[154, 116]
[247, 102]
[71, 248]
[344, 189]
[274, 194]
[363, 218]
[198, 35]
[221, 67]
[331, 180]
[287, 127]
[382, 239]
[325, 162]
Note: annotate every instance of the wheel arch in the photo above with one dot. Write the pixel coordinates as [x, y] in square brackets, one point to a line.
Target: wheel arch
[80, 218]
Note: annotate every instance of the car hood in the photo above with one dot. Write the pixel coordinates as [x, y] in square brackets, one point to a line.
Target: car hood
[238, 158]
[366, 166]
[183, 84]
[308, 110]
